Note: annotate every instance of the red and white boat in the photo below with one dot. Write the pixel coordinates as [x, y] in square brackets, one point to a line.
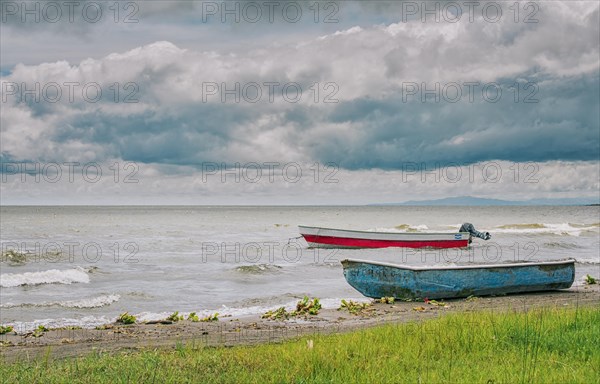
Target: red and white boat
[342, 238]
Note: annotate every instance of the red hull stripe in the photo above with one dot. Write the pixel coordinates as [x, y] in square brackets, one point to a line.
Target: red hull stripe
[370, 243]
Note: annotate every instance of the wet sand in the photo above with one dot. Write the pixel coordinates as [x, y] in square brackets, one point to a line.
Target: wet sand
[61, 343]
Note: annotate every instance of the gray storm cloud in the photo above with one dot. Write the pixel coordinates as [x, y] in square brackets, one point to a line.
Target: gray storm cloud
[373, 96]
[176, 112]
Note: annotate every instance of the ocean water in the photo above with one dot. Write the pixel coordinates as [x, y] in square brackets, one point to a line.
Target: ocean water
[85, 265]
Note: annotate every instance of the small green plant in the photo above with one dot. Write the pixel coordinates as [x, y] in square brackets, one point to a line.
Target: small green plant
[5, 329]
[209, 318]
[39, 331]
[193, 317]
[353, 307]
[387, 300]
[175, 317]
[472, 298]
[126, 318]
[307, 306]
[304, 307]
[590, 280]
[278, 314]
[434, 302]
[14, 257]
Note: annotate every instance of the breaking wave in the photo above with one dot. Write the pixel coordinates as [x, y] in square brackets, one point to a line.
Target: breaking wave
[89, 322]
[588, 260]
[92, 302]
[564, 229]
[522, 226]
[402, 228]
[561, 245]
[258, 268]
[52, 276]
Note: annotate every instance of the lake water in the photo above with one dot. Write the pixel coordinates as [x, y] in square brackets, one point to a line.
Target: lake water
[86, 265]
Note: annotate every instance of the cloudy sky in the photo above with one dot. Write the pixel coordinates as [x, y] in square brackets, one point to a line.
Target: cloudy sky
[293, 102]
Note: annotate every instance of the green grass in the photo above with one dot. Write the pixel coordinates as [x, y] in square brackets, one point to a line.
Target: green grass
[541, 346]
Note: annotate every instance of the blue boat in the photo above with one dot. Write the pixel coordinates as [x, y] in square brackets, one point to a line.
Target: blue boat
[376, 279]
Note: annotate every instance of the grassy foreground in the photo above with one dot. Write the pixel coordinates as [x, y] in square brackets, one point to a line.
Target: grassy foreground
[541, 346]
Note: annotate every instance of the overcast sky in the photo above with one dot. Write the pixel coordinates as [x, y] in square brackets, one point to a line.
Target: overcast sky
[292, 102]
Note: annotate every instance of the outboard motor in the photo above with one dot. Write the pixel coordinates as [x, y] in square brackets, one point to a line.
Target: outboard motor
[468, 227]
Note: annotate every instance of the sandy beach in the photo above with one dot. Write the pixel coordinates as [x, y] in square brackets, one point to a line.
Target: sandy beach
[228, 331]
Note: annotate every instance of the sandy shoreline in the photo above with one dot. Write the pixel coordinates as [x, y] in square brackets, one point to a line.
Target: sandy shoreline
[252, 329]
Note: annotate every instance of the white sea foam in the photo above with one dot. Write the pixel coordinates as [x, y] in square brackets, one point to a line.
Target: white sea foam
[85, 322]
[565, 229]
[91, 302]
[332, 303]
[89, 322]
[594, 260]
[51, 276]
[402, 228]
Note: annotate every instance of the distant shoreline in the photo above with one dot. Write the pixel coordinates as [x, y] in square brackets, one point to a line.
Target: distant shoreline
[286, 205]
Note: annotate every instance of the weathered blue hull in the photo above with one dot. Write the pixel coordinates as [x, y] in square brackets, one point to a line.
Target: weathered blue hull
[374, 279]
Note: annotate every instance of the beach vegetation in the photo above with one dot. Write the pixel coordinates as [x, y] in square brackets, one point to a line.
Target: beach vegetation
[435, 302]
[589, 280]
[210, 318]
[126, 318]
[14, 257]
[307, 306]
[304, 307]
[278, 314]
[39, 331]
[386, 300]
[354, 307]
[175, 317]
